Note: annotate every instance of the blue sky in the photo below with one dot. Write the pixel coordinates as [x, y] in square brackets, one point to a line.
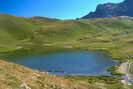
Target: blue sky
[62, 9]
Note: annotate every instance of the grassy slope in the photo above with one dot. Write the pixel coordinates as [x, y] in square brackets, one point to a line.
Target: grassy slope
[16, 30]
[31, 35]
[18, 77]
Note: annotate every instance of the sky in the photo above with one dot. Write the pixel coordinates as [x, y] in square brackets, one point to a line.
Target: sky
[61, 9]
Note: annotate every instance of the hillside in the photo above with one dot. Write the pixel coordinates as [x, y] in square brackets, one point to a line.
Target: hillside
[109, 10]
[110, 33]
[18, 77]
[15, 30]
[22, 37]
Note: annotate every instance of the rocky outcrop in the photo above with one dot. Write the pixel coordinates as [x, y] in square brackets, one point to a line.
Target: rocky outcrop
[112, 10]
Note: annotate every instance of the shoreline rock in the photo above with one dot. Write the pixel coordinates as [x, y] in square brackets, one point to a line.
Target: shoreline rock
[124, 69]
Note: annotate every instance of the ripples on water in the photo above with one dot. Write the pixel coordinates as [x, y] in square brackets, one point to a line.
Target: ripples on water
[84, 63]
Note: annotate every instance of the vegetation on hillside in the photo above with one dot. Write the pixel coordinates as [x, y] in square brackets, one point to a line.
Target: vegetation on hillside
[17, 77]
[20, 37]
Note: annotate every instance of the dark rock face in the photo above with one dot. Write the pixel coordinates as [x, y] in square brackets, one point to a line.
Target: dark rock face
[112, 10]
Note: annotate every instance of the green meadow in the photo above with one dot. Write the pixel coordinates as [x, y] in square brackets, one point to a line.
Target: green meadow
[110, 34]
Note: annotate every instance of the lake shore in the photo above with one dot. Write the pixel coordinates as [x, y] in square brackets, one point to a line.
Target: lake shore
[123, 68]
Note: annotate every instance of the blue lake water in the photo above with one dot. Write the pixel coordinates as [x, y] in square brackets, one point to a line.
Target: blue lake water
[84, 63]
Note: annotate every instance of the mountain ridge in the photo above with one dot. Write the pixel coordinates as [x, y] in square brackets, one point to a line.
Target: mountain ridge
[109, 10]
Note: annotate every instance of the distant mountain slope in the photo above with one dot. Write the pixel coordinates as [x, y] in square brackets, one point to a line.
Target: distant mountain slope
[20, 31]
[112, 10]
[14, 30]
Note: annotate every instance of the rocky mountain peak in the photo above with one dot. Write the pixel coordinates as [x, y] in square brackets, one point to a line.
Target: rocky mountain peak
[108, 10]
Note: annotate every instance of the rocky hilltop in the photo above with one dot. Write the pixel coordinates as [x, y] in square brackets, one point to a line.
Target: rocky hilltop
[108, 10]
